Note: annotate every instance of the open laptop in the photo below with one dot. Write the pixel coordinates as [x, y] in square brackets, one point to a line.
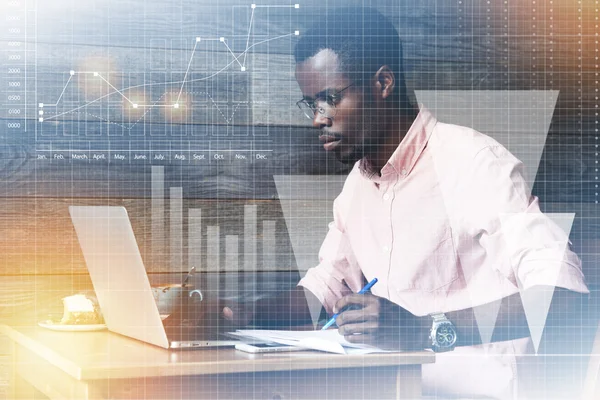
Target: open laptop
[121, 283]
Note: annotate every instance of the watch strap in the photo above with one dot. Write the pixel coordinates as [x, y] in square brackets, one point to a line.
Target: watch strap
[439, 319]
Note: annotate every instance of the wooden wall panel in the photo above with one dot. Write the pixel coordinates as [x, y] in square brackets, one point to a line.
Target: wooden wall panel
[567, 170]
[472, 46]
[287, 151]
[110, 23]
[105, 23]
[265, 94]
[132, 75]
[41, 240]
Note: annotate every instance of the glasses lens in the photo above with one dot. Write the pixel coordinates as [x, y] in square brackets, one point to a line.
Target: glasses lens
[326, 108]
[320, 106]
[306, 109]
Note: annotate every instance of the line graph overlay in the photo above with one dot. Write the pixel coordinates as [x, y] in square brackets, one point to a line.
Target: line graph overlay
[210, 87]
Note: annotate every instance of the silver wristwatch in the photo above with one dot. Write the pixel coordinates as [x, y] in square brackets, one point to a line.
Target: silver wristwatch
[442, 334]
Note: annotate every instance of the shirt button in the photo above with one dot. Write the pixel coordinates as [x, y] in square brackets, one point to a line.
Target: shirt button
[403, 172]
[386, 197]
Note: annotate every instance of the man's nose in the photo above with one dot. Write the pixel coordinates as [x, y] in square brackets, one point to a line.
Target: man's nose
[321, 121]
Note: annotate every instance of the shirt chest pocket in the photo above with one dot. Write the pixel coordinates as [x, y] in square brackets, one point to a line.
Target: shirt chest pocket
[424, 257]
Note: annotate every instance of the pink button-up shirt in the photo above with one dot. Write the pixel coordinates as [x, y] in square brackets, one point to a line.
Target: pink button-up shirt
[448, 225]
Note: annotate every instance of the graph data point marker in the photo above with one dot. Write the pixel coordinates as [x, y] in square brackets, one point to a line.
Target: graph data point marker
[135, 106]
[41, 112]
[243, 69]
[95, 74]
[41, 119]
[296, 5]
[198, 39]
[296, 33]
[175, 105]
[222, 39]
[41, 105]
[252, 5]
[72, 72]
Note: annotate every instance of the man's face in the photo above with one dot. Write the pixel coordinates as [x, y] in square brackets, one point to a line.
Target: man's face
[347, 133]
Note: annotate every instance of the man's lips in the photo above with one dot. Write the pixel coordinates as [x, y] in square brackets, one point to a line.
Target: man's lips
[330, 141]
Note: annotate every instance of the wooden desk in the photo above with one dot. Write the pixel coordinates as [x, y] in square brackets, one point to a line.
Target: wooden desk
[104, 365]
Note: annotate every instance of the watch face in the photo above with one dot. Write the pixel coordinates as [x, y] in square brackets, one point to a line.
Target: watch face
[445, 335]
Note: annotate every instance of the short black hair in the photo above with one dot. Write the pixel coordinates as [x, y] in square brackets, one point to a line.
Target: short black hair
[364, 40]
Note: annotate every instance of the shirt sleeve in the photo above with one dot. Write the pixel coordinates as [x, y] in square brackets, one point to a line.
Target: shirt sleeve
[528, 247]
[337, 272]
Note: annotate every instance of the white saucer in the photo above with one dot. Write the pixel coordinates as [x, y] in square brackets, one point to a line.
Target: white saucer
[71, 328]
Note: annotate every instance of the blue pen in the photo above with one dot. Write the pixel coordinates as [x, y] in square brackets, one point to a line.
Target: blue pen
[362, 291]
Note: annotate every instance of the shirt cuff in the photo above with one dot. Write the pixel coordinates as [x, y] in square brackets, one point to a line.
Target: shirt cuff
[551, 273]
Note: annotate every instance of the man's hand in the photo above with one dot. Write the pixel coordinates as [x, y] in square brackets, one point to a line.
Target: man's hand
[238, 314]
[211, 316]
[379, 322]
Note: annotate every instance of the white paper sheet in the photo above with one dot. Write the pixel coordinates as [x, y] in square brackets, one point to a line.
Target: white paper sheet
[329, 340]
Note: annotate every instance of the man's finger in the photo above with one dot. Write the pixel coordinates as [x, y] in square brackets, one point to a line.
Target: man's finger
[353, 299]
[354, 316]
[228, 313]
[237, 314]
[363, 328]
[364, 339]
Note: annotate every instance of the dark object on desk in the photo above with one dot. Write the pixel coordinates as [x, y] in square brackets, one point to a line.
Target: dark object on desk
[175, 297]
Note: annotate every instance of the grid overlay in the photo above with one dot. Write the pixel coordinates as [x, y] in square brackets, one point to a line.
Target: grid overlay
[185, 113]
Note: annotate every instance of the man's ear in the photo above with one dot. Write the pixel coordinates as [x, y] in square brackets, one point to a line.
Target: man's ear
[385, 81]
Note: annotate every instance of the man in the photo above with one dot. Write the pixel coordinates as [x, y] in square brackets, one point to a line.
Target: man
[438, 213]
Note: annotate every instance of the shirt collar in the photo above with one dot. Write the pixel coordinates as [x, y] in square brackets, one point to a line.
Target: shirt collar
[410, 149]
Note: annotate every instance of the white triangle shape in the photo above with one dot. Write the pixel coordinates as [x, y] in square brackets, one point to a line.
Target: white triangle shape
[517, 119]
[307, 204]
[536, 301]
[486, 316]
[314, 306]
[536, 304]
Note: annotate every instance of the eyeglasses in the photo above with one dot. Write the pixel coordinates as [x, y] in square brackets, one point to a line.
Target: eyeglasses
[324, 104]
